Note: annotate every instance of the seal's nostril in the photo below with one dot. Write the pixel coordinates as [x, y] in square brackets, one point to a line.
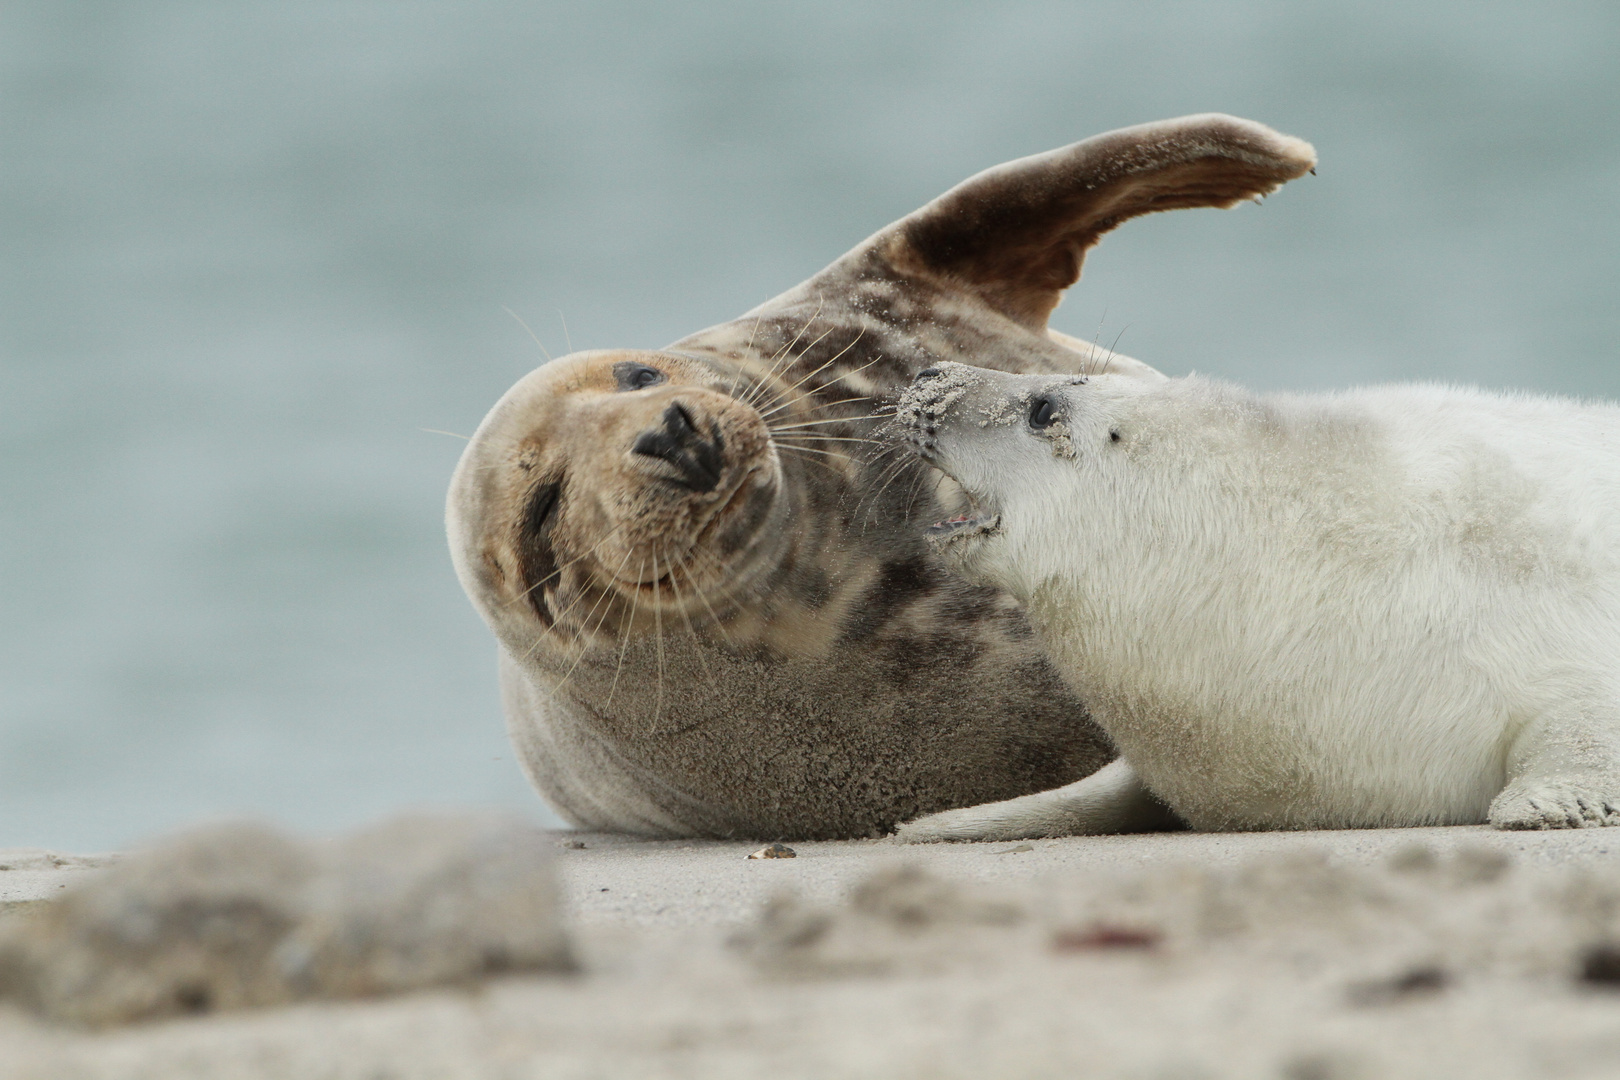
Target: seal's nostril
[679, 421]
[698, 462]
[929, 373]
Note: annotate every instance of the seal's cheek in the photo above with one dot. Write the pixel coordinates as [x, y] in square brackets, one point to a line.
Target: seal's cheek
[626, 522]
[736, 524]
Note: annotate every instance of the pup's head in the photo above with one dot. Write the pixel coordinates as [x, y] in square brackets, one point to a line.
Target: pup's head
[1024, 449]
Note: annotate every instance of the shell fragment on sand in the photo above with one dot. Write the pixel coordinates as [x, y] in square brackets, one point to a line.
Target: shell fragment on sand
[774, 851]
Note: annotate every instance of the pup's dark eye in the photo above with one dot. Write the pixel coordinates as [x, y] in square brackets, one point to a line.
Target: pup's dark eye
[633, 376]
[1043, 412]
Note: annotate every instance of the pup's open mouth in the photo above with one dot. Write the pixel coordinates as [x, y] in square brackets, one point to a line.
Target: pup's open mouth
[962, 527]
[975, 522]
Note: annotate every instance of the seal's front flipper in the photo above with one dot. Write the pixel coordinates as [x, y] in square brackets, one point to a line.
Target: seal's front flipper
[1016, 235]
[1110, 800]
[1563, 773]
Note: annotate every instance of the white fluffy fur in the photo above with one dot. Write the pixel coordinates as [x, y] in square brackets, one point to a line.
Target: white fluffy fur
[1390, 606]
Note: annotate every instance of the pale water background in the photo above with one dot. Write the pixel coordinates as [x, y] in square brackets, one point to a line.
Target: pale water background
[249, 251]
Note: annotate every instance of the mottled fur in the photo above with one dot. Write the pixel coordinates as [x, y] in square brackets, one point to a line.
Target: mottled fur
[809, 668]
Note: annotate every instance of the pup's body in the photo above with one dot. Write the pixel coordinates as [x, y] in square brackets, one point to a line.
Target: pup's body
[1393, 606]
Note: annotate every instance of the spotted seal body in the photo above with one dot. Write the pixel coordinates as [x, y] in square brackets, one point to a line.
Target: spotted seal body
[716, 610]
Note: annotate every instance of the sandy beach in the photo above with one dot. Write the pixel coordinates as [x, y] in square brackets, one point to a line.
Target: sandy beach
[1306, 956]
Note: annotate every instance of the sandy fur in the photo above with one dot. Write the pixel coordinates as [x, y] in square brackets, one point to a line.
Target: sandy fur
[1390, 606]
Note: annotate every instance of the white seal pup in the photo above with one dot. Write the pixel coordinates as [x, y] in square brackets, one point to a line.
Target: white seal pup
[716, 611]
[1383, 607]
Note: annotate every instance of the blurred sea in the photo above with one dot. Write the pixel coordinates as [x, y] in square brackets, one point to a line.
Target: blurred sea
[248, 252]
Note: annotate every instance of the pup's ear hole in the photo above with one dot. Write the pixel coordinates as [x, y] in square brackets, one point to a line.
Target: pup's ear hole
[1017, 234]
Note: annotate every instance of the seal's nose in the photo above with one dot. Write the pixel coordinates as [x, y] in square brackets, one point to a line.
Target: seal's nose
[928, 373]
[697, 461]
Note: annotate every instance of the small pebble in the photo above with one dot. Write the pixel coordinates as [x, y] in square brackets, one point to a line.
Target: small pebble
[1416, 982]
[575, 845]
[774, 851]
[1600, 965]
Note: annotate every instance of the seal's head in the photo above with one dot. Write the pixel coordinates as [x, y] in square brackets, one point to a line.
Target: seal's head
[1018, 446]
[617, 480]
[1038, 457]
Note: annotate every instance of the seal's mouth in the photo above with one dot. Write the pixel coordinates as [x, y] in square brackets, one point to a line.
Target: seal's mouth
[731, 501]
[685, 570]
[963, 527]
[976, 522]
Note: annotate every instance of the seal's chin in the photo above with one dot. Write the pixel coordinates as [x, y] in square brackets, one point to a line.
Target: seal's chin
[711, 557]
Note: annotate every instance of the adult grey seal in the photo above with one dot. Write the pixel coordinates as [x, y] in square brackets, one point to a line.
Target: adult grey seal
[716, 610]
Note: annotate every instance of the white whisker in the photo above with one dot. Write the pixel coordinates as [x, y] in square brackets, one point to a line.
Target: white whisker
[680, 604]
[786, 351]
[806, 349]
[834, 359]
[635, 599]
[821, 423]
[714, 566]
[566, 339]
[532, 334]
[658, 629]
[819, 437]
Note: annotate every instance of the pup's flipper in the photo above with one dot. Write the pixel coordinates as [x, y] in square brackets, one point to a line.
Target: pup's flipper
[1563, 772]
[1110, 800]
[1554, 805]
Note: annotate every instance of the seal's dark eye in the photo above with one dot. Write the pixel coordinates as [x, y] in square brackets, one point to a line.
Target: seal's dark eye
[633, 376]
[1043, 412]
[537, 515]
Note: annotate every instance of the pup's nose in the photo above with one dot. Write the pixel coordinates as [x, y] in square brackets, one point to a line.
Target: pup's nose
[697, 461]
